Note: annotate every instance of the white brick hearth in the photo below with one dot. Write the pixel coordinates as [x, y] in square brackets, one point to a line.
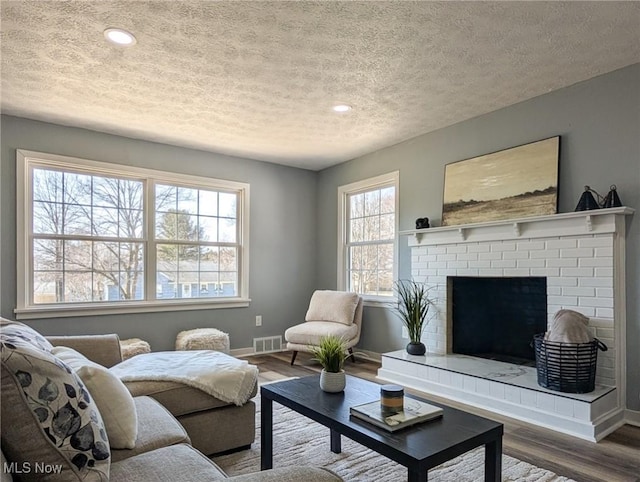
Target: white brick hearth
[582, 256]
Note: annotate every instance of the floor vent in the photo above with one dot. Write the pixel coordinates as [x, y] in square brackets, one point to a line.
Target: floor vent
[267, 344]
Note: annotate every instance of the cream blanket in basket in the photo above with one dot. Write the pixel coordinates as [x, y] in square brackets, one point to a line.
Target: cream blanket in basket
[221, 376]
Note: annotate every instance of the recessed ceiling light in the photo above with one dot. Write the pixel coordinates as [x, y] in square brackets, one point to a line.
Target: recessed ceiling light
[341, 108]
[119, 36]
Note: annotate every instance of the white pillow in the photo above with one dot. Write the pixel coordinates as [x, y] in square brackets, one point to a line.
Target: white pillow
[338, 306]
[114, 401]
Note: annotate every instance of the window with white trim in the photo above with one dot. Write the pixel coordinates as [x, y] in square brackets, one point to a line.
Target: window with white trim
[367, 251]
[93, 237]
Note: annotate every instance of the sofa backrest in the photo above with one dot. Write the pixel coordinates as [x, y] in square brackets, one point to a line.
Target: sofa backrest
[102, 349]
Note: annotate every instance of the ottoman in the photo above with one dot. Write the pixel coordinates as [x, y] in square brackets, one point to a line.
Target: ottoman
[203, 339]
[132, 347]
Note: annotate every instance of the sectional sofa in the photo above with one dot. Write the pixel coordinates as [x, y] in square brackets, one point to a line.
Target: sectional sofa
[65, 419]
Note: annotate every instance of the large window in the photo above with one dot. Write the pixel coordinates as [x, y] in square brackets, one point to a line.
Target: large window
[368, 247]
[196, 234]
[93, 237]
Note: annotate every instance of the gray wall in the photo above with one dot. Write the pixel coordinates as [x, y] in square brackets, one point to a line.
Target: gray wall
[599, 121]
[283, 233]
[293, 212]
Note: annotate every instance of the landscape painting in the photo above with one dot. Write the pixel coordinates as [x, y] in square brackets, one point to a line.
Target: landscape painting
[510, 184]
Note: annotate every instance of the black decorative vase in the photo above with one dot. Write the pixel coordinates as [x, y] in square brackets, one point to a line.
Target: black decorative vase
[587, 202]
[416, 348]
[422, 223]
[612, 200]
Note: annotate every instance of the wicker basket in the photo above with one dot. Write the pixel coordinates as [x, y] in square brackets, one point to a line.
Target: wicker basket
[567, 367]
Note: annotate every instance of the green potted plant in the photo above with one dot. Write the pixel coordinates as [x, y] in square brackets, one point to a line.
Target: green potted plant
[331, 354]
[412, 307]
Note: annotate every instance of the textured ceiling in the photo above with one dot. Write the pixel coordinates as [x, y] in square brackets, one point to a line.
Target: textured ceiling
[258, 79]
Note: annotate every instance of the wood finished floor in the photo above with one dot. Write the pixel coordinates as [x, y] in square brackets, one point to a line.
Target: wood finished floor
[614, 459]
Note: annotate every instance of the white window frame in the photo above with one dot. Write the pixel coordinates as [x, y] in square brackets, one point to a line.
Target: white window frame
[26, 309]
[384, 180]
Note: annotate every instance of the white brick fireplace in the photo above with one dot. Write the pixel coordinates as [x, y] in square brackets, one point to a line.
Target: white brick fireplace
[582, 257]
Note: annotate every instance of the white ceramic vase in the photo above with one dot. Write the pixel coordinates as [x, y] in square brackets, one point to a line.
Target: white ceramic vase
[332, 382]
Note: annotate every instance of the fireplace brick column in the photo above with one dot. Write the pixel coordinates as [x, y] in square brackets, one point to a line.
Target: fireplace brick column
[579, 272]
[582, 255]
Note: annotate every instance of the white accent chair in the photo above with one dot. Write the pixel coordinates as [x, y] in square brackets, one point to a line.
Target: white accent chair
[336, 313]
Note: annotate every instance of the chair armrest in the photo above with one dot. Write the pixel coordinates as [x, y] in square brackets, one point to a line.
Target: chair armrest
[289, 474]
[102, 349]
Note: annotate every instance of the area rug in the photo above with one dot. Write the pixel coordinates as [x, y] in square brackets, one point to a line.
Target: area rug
[298, 440]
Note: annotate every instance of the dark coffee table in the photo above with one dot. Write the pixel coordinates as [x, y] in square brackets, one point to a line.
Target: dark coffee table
[419, 448]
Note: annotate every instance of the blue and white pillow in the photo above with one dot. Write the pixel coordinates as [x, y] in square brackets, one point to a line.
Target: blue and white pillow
[25, 333]
[49, 419]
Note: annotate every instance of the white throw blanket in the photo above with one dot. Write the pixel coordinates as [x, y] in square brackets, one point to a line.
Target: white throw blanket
[221, 376]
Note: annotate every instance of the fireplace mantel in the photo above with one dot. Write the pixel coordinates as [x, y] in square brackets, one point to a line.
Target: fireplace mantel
[597, 221]
[582, 257]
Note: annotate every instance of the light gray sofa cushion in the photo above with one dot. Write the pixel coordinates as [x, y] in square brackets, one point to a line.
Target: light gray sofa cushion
[5, 476]
[185, 464]
[156, 428]
[289, 474]
[178, 398]
[176, 463]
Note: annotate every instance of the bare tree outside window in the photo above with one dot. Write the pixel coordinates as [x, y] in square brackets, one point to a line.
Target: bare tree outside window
[370, 241]
[87, 237]
[88, 240]
[97, 237]
[196, 232]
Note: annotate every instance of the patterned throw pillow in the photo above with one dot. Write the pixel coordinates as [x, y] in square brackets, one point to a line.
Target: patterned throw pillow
[25, 333]
[50, 423]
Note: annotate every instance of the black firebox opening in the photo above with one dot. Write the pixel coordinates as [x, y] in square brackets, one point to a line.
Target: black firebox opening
[496, 318]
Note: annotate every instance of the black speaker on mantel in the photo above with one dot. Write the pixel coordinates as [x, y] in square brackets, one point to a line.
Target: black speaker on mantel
[587, 202]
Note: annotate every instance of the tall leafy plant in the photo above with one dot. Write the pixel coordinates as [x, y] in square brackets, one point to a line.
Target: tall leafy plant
[330, 353]
[412, 307]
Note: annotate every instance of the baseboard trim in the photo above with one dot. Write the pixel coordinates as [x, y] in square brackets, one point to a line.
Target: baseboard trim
[240, 352]
[367, 354]
[632, 417]
[248, 351]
